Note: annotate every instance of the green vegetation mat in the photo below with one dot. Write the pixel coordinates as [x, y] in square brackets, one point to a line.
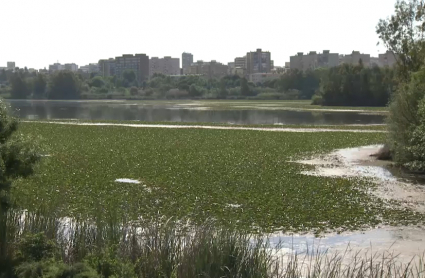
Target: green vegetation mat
[239, 178]
[276, 126]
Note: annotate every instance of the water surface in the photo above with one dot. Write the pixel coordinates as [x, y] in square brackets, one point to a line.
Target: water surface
[101, 110]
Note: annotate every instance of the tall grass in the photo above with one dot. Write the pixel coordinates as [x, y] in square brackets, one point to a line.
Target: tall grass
[157, 248]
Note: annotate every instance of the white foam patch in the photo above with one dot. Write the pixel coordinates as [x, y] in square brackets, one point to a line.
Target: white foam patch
[128, 181]
[233, 205]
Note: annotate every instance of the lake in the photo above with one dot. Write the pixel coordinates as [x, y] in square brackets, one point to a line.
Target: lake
[168, 112]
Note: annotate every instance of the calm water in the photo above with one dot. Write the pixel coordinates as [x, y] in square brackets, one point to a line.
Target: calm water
[173, 113]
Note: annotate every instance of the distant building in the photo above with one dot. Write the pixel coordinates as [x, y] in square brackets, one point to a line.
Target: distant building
[241, 72]
[210, 70]
[71, 67]
[355, 57]
[388, 59]
[258, 62]
[240, 62]
[139, 63]
[56, 67]
[287, 65]
[107, 67]
[43, 71]
[90, 68]
[187, 61]
[313, 60]
[166, 66]
[11, 65]
[374, 62]
[230, 68]
[261, 77]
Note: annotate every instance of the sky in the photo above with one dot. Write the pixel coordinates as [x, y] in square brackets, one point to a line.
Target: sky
[42, 32]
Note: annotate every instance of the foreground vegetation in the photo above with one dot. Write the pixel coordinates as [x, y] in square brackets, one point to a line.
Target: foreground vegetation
[403, 33]
[241, 179]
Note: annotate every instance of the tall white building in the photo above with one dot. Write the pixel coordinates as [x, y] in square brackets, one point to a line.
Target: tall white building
[166, 66]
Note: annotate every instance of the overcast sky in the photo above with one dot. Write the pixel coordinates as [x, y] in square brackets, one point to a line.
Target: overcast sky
[36, 33]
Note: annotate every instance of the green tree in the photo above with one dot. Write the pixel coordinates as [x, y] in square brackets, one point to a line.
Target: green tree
[129, 78]
[403, 33]
[20, 88]
[245, 90]
[223, 90]
[64, 85]
[97, 82]
[39, 86]
[17, 159]
[3, 75]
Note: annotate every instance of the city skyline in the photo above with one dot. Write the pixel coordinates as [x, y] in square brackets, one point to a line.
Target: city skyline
[98, 30]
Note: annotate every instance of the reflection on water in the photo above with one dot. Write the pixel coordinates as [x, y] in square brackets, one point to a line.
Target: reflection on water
[170, 113]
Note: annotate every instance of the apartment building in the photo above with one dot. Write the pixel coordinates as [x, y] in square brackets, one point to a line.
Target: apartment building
[240, 62]
[70, 67]
[139, 63]
[107, 67]
[11, 65]
[258, 62]
[210, 70]
[313, 60]
[56, 67]
[230, 68]
[166, 66]
[187, 61]
[354, 59]
[388, 59]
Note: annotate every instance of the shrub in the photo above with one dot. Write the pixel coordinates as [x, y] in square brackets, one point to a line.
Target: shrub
[317, 100]
[404, 120]
[134, 91]
[35, 247]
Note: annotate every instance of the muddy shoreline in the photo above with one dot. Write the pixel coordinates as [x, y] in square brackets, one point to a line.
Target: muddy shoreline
[405, 241]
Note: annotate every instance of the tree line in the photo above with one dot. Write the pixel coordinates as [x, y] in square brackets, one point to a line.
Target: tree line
[348, 85]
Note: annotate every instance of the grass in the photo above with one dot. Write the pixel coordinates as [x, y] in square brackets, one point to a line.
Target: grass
[240, 179]
[165, 250]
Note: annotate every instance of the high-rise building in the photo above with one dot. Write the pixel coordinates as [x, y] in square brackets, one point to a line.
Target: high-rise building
[107, 67]
[240, 62]
[388, 59]
[187, 61]
[355, 57]
[258, 62]
[71, 67]
[210, 70]
[11, 65]
[314, 60]
[139, 63]
[166, 66]
[56, 67]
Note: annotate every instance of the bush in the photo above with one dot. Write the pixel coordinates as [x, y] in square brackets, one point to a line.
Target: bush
[53, 269]
[134, 91]
[405, 121]
[35, 247]
[317, 100]
[416, 146]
